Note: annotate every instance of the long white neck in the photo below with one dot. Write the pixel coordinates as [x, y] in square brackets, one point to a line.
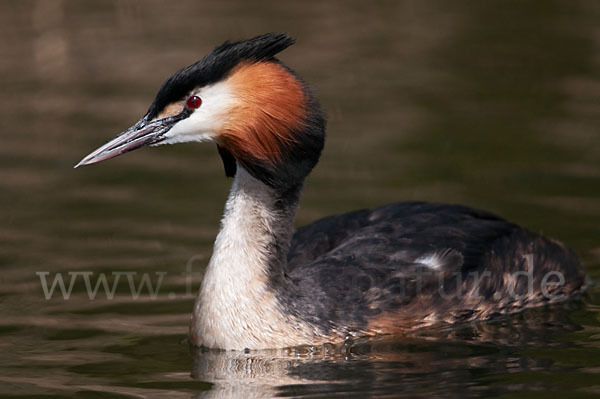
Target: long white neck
[236, 307]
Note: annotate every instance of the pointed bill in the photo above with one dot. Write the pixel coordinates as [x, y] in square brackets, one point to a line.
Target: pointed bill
[141, 134]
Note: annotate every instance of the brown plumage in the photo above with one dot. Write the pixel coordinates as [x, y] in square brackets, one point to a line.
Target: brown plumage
[270, 108]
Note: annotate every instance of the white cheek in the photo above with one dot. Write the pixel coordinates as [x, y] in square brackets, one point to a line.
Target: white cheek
[205, 122]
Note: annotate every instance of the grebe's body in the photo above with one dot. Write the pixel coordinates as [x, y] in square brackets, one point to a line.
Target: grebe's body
[396, 268]
[388, 270]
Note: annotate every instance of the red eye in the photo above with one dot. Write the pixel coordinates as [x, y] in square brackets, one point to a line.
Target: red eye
[193, 102]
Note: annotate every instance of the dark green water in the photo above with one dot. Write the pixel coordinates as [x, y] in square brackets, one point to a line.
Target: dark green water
[493, 104]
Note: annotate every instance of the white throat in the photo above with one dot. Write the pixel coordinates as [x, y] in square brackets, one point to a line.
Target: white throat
[236, 308]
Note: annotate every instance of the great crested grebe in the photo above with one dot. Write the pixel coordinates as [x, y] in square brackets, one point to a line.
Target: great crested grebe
[389, 270]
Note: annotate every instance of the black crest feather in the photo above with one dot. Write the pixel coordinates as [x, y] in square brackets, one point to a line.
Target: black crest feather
[215, 66]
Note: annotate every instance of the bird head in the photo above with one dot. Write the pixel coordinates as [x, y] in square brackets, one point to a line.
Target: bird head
[260, 114]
